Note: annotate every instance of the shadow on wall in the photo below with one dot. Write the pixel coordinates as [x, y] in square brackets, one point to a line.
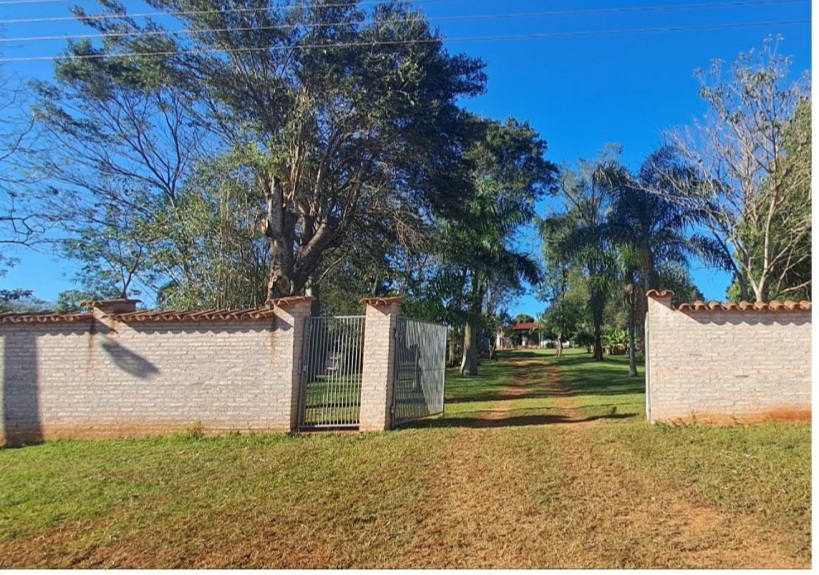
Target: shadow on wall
[128, 361]
[21, 408]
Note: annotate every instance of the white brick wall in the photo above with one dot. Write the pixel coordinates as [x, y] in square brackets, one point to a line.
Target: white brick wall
[727, 365]
[89, 379]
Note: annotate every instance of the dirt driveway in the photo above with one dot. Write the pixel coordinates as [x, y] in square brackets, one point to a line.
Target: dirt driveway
[566, 495]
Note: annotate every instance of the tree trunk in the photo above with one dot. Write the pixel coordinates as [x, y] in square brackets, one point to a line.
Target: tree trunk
[632, 294]
[598, 344]
[632, 355]
[295, 255]
[559, 352]
[597, 325]
[469, 363]
[281, 254]
[313, 289]
[761, 290]
[452, 360]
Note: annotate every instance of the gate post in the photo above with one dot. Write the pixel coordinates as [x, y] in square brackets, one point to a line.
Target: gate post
[381, 320]
[290, 315]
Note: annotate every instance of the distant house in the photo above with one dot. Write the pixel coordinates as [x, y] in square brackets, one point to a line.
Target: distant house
[527, 334]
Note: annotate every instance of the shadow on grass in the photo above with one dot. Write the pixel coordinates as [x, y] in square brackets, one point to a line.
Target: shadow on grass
[497, 396]
[473, 422]
[581, 375]
[520, 354]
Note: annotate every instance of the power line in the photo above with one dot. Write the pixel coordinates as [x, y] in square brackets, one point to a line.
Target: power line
[373, 2]
[350, 4]
[416, 41]
[474, 17]
[11, 2]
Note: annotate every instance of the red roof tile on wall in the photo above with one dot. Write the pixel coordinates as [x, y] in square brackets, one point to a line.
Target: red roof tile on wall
[215, 315]
[382, 301]
[10, 318]
[699, 306]
[285, 302]
[206, 315]
[210, 315]
[659, 294]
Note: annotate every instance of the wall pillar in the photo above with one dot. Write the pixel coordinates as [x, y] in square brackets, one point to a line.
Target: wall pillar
[659, 302]
[291, 313]
[381, 320]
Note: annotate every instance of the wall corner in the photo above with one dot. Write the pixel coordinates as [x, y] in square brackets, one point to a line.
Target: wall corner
[291, 315]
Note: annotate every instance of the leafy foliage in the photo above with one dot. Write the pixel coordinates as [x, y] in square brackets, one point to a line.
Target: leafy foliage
[172, 145]
[752, 171]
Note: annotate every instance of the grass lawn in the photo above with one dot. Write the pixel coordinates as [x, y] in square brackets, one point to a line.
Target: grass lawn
[602, 387]
[535, 464]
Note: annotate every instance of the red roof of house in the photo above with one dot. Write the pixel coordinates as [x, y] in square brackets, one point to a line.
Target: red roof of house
[525, 326]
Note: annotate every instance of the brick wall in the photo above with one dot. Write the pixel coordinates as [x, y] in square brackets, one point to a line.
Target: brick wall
[381, 319]
[100, 376]
[722, 363]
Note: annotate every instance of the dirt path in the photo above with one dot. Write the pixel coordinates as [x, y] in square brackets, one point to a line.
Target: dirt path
[542, 378]
[566, 495]
[519, 385]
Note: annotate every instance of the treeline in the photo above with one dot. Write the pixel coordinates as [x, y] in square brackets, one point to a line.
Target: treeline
[252, 150]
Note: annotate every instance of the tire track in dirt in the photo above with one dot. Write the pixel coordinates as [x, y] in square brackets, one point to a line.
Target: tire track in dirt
[474, 524]
[608, 482]
[466, 526]
[519, 385]
[567, 495]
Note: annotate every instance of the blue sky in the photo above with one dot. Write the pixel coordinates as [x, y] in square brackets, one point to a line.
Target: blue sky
[582, 87]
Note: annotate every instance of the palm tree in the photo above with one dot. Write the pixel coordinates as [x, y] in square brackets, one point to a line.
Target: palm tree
[509, 174]
[651, 233]
[488, 258]
[653, 227]
[581, 234]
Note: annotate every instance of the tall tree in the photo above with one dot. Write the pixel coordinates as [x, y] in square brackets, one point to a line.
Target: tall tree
[580, 233]
[756, 203]
[562, 289]
[341, 114]
[792, 279]
[509, 174]
[648, 217]
[653, 232]
[567, 303]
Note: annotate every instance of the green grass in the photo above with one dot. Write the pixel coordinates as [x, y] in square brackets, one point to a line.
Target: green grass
[448, 492]
[170, 495]
[601, 386]
[464, 393]
[332, 400]
[764, 470]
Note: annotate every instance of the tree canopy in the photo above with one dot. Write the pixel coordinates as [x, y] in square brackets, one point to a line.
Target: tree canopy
[326, 117]
[752, 179]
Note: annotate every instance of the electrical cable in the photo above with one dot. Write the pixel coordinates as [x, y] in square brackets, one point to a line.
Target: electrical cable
[408, 42]
[474, 17]
[341, 5]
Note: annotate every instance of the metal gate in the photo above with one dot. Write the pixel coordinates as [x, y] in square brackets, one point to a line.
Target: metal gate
[331, 372]
[420, 365]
